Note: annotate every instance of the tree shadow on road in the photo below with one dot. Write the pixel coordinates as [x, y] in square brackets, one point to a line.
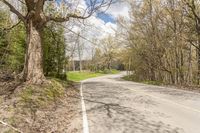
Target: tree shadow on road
[111, 116]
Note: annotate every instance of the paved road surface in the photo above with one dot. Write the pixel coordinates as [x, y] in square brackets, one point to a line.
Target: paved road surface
[117, 106]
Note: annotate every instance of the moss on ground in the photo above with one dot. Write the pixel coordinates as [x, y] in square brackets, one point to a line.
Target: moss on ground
[35, 96]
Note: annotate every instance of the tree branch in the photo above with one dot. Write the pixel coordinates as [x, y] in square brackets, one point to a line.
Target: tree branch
[94, 6]
[22, 2]
[13, 10]
[64, 19]
[192, 8]
[15, 129]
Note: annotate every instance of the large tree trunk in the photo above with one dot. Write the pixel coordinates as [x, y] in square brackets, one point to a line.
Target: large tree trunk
[33, 67]
[198, 58]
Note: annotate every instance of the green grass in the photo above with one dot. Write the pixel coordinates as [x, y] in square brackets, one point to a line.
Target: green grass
[107, 71]
[114, 71]
[152, 82]
[78, 76]
[131, 78]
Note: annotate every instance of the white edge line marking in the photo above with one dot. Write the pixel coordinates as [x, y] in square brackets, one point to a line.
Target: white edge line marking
[85, 120]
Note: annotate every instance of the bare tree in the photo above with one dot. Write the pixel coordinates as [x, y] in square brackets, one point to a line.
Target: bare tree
[193, 14]
[79, 53]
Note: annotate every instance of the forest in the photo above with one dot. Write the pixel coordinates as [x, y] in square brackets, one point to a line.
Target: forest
[162, 41]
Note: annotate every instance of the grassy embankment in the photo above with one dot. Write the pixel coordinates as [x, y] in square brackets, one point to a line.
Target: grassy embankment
[79, 76]
[30, 107]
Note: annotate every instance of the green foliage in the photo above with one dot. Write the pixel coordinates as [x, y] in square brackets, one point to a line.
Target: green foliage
[78, 76]
[16, 57]
[114, 71]
[12, 44]
[12, 47]
[4, 38]
[54, 51]
[108, 71]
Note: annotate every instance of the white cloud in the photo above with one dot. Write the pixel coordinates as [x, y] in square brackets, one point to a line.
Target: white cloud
[98, 29]
[119, 9]
[101, 29]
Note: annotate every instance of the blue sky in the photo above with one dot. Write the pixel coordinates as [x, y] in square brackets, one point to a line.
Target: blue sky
[106, 17]
[102, 15]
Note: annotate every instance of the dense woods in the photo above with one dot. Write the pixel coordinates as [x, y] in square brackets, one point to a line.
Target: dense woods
[54, 47]
[12, 44]
[163, 41]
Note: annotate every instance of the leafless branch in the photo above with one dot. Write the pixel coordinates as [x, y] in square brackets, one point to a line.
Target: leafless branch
[13, 10]
[6, 124]
[22, 2]
[94, 6]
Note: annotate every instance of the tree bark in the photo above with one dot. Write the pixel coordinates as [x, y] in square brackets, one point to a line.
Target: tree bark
[33, 67]
[198, 58]
[79, 54]
[189, 75]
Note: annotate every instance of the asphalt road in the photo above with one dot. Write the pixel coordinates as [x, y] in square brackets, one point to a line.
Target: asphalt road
[117, 106]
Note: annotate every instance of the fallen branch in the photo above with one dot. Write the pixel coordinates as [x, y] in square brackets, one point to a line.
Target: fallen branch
[6, 124]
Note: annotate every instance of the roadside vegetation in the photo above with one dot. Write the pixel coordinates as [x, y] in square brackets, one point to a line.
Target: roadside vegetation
[37, 108]
[162, 42]
[132, 78]
[79, 76]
